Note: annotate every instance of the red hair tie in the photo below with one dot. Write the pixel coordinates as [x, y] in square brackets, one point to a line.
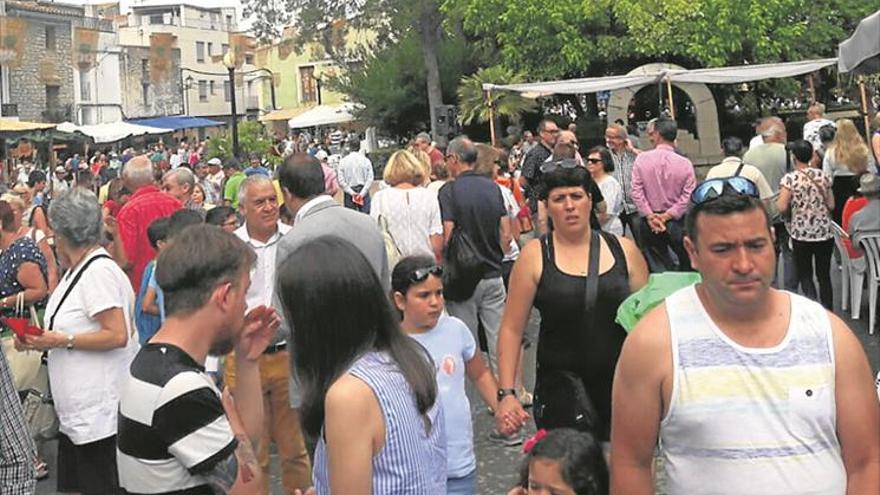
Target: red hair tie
[529, 444]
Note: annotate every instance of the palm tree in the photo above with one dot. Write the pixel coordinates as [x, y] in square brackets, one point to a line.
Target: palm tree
[472, 104]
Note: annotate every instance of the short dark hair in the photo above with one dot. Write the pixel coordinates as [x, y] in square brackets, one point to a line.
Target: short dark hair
[605, 155]
[194, 264]
[218, 215]
[565, 177]
[301, 174]
[580, 459]
[232, 163]
[543, 124]
[727, 203]
[158, 231]
[801, 149]
[464, 148]
[35, 177]
[312, 283]
[732, 146]
[667, 128]
[180, 220]
[827, 133]
[401, 276]
[562, 151]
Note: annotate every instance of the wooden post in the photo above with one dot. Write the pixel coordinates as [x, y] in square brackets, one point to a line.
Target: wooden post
[864, 96]
[812, 87]
[669, 97]
[491, 116]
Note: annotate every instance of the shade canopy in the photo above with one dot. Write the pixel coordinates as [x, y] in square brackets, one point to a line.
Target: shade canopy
[323, 115]
[177, 122]
[9, 126]
[717, 75]
[860, 53]
[284, 114]
[111, 132]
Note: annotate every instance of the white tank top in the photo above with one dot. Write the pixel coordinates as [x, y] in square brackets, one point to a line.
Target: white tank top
[751, 420]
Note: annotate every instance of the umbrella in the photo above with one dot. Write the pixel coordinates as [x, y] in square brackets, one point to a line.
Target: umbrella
[860, 53]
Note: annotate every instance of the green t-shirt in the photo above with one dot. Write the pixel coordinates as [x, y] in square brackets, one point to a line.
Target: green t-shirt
[230, 193]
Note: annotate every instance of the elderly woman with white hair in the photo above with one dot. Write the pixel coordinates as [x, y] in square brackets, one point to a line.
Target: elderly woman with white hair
[91, 342]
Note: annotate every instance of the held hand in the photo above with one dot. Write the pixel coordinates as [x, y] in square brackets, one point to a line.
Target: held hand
[509, 416]
[44, 342]
[260, 324]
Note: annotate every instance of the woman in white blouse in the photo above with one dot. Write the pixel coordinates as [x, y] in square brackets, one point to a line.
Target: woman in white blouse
[411, 212]
[600, 163]
[91, 345]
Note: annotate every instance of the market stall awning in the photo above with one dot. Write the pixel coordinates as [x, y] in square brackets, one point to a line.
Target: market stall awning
[747, 73]
[861, 52]
[9, 125]
[111, 132]
[323, 115]
[177, 122]
[577, 86]
[285, 114]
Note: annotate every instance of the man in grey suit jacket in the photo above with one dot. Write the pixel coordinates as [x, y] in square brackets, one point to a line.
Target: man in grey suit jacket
[316, 215]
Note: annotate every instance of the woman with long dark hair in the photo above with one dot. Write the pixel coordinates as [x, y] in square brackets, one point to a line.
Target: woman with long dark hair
[369, 391]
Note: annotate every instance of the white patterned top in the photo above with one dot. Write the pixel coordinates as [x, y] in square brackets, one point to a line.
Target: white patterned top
[413, 216]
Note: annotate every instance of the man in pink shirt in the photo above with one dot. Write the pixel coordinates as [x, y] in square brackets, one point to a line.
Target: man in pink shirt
[131, 247]
[662, 184]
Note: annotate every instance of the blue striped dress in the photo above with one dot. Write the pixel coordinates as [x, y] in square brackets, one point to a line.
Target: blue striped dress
[413, 460]
[757, 421]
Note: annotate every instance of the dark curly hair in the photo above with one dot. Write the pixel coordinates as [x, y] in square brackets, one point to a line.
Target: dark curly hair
[579, 455]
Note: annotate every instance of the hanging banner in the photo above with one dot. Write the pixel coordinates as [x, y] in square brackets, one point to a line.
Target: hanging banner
[161, 48]
[13, 31]
[85, 47]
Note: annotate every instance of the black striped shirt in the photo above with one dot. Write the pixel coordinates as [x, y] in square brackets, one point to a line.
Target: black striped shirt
[172, 427]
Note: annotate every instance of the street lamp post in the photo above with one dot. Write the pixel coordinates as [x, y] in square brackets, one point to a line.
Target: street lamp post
[188, 84]
[229, 62]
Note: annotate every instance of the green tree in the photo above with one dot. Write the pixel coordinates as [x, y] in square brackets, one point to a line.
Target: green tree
[252, 138]
[472, 107]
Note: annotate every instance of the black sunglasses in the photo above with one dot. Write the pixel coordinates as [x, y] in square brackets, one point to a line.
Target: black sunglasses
[563, 163]
[594, 160]
[714, 188]
[420, 275]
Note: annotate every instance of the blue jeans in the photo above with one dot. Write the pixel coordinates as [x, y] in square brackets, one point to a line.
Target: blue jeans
[466, 485]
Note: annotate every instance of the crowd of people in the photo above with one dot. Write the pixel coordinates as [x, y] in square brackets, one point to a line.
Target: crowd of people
[196, 314]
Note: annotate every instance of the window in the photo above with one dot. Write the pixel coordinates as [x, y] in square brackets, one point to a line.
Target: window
[145, 69]
[200, 51]
[145, 93]
[210, 48]
[203, 90]
[226, 91]
[85, 87]
[224, 48]
[229, 23]
[52, 94]
[211, 88]
[157, 19]
[308, 84]
[50, 38]
[249, 59]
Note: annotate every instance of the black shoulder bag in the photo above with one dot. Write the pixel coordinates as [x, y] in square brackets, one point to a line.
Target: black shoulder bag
[561, 400]
[464, 266]
[51, 320]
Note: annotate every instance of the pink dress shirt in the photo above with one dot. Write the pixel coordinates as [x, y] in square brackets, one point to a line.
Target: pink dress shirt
[662, 181]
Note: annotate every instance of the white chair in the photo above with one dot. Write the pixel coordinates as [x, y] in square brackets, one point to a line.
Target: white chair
[852, 274]
[870, 243]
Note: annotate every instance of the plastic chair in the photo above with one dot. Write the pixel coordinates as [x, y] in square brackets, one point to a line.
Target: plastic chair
[845, 266]
[870, 243]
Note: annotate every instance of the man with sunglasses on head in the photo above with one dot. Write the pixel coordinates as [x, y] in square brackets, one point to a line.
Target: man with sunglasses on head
[661, 188]
[746, 388]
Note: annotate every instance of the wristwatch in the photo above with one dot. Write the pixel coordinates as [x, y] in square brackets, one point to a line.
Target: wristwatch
[503, 392]
[69, 341]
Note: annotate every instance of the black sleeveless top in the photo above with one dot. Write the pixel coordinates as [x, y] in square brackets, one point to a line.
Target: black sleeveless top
[566, 340]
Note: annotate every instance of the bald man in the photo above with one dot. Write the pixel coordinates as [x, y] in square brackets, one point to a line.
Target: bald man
[131, 248]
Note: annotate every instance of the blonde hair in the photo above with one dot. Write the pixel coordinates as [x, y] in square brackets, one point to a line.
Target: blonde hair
[404, 167]
[849, 148]
[425, 160]
[14, 199]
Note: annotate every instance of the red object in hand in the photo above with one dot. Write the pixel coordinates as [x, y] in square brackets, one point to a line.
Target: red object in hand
[358, 200]
[22, 327]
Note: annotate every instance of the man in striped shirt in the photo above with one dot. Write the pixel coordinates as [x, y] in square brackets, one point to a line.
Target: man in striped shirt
[747, 389]
[175, 433]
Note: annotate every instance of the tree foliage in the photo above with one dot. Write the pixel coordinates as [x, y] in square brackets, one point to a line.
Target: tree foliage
[472, 106]
[252, 138]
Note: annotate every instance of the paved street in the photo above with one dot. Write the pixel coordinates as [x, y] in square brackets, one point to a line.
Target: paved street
[497, 465]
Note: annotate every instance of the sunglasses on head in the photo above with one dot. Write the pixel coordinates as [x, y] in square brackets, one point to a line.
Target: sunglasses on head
[420, 275]
[563, 163]
[714, 188]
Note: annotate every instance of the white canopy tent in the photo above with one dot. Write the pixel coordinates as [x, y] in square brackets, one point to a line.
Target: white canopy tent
[111, 132]
[861, 52]
[576, 86]
[323, 115]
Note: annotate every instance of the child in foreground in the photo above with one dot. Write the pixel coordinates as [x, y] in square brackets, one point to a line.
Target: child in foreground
[562, 462]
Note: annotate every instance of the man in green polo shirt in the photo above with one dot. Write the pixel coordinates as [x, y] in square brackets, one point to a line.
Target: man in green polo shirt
[234, 176]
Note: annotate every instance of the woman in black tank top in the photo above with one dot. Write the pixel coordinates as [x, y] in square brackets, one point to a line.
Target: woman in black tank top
[577, 351]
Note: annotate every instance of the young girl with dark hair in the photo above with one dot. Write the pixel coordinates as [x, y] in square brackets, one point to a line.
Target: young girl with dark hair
[562, 462]
[369, 392]
[417, 291]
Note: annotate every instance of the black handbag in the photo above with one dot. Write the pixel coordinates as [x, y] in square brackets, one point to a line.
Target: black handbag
[464, 267]
[561, 400]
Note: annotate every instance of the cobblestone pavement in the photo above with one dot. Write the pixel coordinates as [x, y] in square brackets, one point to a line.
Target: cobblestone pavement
[497, 466]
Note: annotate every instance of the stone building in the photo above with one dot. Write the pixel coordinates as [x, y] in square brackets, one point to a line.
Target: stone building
[141, 95]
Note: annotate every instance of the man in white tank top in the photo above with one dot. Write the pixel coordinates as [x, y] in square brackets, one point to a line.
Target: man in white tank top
[746, 389]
